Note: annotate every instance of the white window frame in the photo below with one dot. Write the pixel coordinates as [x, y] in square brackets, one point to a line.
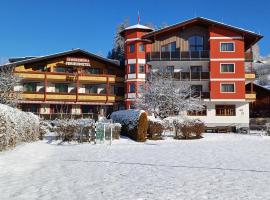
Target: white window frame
[227, 83]
[227, 72]
[226, 43]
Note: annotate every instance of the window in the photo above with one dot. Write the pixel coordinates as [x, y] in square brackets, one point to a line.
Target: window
[226, 46]
[95, 89]
[225, 110]
[142, 47]
[225, 87]
[195, 43]
[117, 90]
[132, 69]
[141, 69]
[34, 108]
[60, 108]
[131, 48]
[92, 71]
[132, 88]
[170, 69]
[39, 68]
[61, 88]
[30, 87]
[110, 71]
[64, 69]
[196, 69]
[224, 68]
[198, 113]
[171, 47]
[196, 88]
[141, 88]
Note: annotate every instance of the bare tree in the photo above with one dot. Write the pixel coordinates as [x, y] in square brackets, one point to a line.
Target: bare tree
[8, 81]
[163, 98]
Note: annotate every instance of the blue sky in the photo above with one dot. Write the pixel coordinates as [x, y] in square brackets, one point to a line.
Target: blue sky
[40, 27]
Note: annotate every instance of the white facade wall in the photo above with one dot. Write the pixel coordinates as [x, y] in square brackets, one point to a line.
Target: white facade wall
[240, 119]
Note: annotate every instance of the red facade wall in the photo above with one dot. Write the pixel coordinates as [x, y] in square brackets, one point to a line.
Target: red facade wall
[236, 57]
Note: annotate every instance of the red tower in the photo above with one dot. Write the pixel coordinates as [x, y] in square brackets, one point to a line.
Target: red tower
[135, 61]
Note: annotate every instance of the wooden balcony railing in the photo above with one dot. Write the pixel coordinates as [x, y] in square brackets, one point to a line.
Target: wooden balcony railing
[251, 96]
[178, 55]
[71, 97]
[68, 77]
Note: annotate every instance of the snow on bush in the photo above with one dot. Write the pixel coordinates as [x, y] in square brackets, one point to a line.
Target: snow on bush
[268, 129]
[134, 123]
[116, 130]
[184, 128]
[70, 129]
[155, 128]
[17, 126]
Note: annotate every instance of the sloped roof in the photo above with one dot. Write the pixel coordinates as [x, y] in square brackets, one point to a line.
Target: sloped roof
[137, 26]
[251, 37]
[65, 53]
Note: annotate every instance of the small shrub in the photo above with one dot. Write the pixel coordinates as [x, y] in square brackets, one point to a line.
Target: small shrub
[268, 129]
[155, 128]
[116, 131]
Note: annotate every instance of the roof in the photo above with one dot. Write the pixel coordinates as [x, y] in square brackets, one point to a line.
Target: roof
[256, 84]
[137, 26]
[253, 37]
[65, 53]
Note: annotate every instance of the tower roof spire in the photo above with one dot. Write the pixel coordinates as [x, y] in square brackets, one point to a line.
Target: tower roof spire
[139, 18]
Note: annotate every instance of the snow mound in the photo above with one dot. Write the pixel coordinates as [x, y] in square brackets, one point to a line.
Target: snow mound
[17, 126]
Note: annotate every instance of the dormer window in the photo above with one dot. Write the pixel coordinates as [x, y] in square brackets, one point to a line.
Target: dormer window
[195, 43]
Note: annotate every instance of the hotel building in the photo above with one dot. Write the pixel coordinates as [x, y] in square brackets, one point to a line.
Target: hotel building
[73, 82]
[213, 57]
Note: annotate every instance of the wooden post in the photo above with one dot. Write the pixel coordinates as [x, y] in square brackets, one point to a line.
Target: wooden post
[45, 86]
[107, 89]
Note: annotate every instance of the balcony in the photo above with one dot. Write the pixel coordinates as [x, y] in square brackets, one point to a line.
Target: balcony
[191, 76]
[200, 94]
[250, 76]
[68, 77]
[72, 97]
[250, 96]
[178, 56]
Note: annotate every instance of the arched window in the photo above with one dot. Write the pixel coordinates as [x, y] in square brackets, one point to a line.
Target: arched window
[195, 43]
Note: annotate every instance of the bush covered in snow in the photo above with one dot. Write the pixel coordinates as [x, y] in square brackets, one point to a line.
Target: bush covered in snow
[17, 126]
[70, 129]
[155, 128]
[134, 123]
[184, 128]
[268, 129]
[116, 130]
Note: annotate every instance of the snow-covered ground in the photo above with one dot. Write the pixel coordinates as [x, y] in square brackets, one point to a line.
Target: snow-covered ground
[219, 166]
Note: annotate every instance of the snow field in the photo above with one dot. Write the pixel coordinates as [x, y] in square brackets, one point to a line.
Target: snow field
[219, 166]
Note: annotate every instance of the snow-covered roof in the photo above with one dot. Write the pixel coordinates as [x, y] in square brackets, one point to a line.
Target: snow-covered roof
[40, 58]
[138, 26]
